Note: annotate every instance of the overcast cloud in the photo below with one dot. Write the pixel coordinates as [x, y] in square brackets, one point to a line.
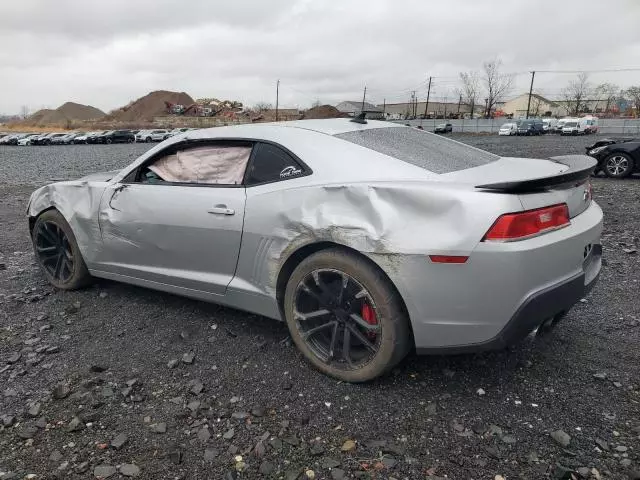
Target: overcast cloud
[105, 53]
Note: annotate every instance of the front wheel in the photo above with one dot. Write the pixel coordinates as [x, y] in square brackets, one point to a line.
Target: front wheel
[148, 140]
[618, 165]
[57, 252]
[108, 141]
[345, 316]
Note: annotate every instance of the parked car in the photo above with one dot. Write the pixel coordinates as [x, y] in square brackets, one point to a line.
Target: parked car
[52, 139]
[118, 136]
[26, 140]
[14, 139]
[575, 126]
[443, 128]
[617, 157]
[508, 129]
[95, 137]
[64, 139]
[560, 125]
[356, 291]
[529, 127]
[82, 137]
[591, 124]
[549, 125]
[152, 136]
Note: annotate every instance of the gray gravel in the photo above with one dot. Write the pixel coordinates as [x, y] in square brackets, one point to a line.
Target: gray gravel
[248, 406]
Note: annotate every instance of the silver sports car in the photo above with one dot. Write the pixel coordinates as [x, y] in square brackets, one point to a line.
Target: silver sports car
[368, 238]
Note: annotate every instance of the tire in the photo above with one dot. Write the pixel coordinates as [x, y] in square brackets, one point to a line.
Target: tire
[108, 141]
[73, 270]
[618, 165]
[129, 140]
[147, 140]
[389, 333]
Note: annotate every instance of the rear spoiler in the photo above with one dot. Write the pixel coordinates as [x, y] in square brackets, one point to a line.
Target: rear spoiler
[580, 168]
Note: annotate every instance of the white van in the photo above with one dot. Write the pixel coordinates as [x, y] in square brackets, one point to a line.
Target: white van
[560, 123]
[508, 129]
[574, 126]
[549, 124]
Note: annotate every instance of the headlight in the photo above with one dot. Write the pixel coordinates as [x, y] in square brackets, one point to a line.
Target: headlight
[597, 150]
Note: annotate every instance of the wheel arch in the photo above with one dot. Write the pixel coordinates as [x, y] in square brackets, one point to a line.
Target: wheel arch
[34, 218]
[305, 251]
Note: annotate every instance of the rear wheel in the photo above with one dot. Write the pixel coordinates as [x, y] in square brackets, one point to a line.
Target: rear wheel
[618, 165]
[57, 252]
[345, 316]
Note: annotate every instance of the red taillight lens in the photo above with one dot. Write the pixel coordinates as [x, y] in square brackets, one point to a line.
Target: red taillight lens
[514, 226]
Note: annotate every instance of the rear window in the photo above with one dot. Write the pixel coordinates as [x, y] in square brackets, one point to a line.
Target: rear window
[423, 149]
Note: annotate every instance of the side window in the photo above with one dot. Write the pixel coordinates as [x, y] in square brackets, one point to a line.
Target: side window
[202, 164]
[270, 164]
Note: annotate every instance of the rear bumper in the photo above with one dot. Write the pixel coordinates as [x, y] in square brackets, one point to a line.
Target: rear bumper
[546, 305]
[502, 292]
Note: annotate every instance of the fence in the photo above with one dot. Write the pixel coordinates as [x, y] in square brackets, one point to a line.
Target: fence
[606, 126]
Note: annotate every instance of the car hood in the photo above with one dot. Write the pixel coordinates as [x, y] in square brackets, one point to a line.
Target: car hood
[100, 176]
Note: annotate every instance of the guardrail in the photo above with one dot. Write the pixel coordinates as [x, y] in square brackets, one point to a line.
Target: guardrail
[607, 126]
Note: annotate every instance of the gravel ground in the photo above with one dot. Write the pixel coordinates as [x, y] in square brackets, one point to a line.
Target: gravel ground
[117, 381]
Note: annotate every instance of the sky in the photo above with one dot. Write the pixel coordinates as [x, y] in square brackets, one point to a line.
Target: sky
[107, 53]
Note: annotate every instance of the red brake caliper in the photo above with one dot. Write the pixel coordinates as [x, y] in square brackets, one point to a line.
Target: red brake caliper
[369, 316]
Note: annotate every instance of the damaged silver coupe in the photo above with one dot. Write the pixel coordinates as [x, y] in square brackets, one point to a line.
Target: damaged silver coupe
[369, 239]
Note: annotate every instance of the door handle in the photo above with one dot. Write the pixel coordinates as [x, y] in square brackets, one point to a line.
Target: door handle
[222, 210]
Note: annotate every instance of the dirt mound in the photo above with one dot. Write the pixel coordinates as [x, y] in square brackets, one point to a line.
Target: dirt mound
[63, 116]
[323, 111]
[77, 111]
[44, 118]
[149, 106]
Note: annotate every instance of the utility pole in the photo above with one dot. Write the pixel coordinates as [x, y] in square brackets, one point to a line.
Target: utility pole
[384, 107]
[277, 97]
[459, 102]
[364, 95]
[426, 105]
[414, 104]
[445, 107]
[533, 75]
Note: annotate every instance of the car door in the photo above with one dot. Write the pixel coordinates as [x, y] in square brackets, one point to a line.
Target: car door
[177, 219]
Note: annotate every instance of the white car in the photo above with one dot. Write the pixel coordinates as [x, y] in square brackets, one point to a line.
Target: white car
[152, 135]
[508, 129]
[24, 141]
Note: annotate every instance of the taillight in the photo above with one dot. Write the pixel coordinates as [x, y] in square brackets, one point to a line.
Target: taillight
[517, 226]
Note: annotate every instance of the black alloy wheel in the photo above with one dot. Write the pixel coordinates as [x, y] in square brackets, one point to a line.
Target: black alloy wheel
[54, 251]
[336, 317]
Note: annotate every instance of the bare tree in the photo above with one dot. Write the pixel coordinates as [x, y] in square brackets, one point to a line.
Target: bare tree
[575, 94]
[496, 83]
[316, 104]
[634, 95]
[25, 111]
[262, 106]
[607, 93]
[470, 90]
[536, 103]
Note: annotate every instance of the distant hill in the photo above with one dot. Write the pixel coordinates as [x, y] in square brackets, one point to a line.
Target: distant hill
[77, 111]
[149, 106]
[65, 114]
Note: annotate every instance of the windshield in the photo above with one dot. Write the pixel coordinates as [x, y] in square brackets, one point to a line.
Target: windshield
[420, 148]
[571, 124]
[507, 125]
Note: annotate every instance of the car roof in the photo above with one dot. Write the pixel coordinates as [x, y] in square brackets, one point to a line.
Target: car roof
[331, 158]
